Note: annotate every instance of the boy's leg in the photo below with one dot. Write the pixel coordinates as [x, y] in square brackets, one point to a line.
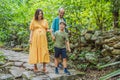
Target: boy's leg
[56, 61]
[64, 62]
[64, 56]
[65, 66]
[60, 65]
[56, 65]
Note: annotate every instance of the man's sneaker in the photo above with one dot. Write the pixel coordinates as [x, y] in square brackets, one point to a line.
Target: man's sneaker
[56, 71]
[66, 71]
[60, 65]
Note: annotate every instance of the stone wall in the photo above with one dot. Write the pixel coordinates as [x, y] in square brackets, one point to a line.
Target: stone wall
[106, 41]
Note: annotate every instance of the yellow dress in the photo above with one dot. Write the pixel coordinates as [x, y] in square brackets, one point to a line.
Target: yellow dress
[39, 47]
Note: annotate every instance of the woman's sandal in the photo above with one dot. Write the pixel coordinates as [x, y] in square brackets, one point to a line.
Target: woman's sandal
[45, 71]
[35, 70]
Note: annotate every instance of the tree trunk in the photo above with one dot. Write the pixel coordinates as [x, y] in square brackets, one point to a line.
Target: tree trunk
[116, 13]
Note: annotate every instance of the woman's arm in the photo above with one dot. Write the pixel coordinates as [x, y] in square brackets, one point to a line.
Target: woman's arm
[31, 34]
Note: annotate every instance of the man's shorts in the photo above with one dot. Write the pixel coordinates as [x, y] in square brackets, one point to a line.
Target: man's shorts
[60, 51]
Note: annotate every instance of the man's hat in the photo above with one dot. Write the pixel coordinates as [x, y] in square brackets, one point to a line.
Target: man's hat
[62, 22]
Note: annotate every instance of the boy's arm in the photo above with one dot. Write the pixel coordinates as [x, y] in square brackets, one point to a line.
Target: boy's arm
[68, 46]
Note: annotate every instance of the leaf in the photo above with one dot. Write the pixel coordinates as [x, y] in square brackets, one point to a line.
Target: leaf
[111, 64]
[112, 74]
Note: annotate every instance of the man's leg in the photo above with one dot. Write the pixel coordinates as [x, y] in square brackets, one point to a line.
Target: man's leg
[60, 65]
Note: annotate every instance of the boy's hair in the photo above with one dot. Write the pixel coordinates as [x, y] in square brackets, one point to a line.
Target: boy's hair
[63, 23]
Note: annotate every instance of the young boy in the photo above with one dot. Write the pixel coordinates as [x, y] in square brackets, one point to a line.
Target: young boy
[61, 44]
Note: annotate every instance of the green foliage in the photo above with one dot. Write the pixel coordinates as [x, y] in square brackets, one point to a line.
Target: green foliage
[84, 59]
[110, 64]
[1, 44]
[111, 74]
[115, 73]
[81, 15]
[2, 57]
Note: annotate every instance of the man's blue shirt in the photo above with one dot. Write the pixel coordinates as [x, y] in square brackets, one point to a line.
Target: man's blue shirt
[55, 24]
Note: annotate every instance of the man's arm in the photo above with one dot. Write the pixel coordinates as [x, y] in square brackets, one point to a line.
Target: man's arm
[52, 35]
[53, 26]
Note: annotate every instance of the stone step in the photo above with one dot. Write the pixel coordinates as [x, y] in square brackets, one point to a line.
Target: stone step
[18, 67]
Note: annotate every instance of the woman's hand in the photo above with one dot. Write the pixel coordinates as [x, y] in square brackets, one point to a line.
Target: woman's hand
[49, 30]
[30, 41]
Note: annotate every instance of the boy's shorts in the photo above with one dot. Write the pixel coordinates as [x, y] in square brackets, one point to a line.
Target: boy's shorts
[60, 51]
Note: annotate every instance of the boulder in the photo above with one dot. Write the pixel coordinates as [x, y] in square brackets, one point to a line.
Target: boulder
[91, 57]
[96, 34]
[116, 51]
[117, 46]
[6, 77]
[113, 39]
[16, 71]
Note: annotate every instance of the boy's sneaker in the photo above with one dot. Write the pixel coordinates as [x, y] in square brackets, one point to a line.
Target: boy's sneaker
[56, 71]
[66, 71]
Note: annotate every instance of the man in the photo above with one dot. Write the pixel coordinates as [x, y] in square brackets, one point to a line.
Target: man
[58, 19]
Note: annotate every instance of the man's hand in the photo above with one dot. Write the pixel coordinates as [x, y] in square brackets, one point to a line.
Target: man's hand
[49, 30]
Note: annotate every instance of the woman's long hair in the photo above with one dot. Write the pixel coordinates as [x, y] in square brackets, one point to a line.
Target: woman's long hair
[37, 13]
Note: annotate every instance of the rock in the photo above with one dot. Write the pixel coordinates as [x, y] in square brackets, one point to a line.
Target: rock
[107, 35]
[88, 36]
[97, 41]
[6, 77]
[55, 76]
[113, 39]
[106, 47]
[90, 31]
[28, 75]
[87, 48]
[18, 59]
[105, 52]
[117, 46]
[111, 44]
[8, 64]
[2, 63]
[82, 39]
[16, 71]
[42, 77]
[73, 45]
[18, 64]
[28, 66]
[96, 34]
[17, 49]
[116, 51]
[106, 59]
[91, 57]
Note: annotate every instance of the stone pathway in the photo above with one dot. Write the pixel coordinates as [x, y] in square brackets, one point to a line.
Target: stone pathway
[17, 68]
